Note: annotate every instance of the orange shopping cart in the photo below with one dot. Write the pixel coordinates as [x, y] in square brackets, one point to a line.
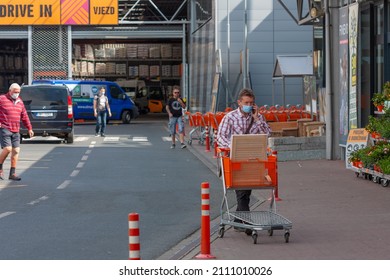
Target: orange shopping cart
[197, 124]
[257, 173]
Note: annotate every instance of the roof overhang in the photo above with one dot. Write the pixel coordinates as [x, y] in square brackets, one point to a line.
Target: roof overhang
[307, 13]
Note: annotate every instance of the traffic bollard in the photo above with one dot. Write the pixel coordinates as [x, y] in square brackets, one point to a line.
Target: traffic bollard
[205, 223]
[134, 245]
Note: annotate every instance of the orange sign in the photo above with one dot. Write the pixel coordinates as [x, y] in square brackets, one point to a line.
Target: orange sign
[103, 12]
[357, 139]
[74, 12]
[25, 12]
[59, 12]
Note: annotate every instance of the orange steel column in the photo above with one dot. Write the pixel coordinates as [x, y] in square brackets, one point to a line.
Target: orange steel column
[134, 245]
[205, 223]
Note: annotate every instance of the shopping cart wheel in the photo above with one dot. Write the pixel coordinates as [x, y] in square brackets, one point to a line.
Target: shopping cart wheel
[375, 179]
[270, 232]
[385, 182]
[221, 231]
[286, 236]
[254, 237]
[189, 142]
[357, 174]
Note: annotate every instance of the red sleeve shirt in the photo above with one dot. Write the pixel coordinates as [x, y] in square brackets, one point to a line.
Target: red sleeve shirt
[12, 112]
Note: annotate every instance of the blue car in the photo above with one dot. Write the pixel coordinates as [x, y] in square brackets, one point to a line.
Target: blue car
[83, 92]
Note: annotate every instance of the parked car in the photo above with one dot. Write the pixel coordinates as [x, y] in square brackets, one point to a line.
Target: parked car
[50, 111]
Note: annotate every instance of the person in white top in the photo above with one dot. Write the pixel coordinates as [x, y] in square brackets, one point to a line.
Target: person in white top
[100, 109]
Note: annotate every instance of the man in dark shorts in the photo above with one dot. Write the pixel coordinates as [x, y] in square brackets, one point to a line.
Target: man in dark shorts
[12, 111]
[174, 109]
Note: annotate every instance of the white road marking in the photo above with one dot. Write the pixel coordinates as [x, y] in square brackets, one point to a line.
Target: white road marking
[92, 144]
[84, 158]
[80, 139]
[140, 139]
[43, 198]
[74, 173]
[80, 165]
[64, 184]
[111, 139]
[5, 214]
[87, 152]
[166, 139]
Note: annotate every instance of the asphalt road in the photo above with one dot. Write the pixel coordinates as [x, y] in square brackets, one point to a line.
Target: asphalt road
[74, 199]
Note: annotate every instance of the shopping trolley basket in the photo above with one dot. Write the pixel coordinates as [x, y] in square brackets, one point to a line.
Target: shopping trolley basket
[252, 174]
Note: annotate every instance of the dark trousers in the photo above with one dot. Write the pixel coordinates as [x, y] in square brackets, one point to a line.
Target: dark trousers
[243, 198]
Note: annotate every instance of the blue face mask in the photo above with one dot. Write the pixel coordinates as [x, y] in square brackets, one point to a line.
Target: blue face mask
[246, 108]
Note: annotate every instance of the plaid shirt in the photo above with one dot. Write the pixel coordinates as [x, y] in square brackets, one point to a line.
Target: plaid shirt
[235, 122]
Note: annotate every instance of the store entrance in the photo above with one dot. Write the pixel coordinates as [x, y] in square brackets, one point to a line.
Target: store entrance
[13, 63]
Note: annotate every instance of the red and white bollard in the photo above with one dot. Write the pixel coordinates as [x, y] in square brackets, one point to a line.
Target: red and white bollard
[134, 245]
[205, 223]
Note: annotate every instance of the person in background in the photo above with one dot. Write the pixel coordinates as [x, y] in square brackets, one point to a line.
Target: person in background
[243, 120]
[100, 109]
[174, 109]
[12, 112]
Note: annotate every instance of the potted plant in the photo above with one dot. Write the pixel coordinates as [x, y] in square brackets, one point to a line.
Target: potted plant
[355, 158]
[372, 127]
[378, 99]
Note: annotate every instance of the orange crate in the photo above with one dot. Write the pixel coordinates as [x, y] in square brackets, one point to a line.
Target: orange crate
[250, 173]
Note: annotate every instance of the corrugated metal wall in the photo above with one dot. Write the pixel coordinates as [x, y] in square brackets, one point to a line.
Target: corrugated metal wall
[271, 32]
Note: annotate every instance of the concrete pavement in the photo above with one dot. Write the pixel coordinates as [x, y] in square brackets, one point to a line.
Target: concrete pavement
[335, 215]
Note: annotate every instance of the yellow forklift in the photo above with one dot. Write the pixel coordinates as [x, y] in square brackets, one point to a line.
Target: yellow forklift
[157, 99]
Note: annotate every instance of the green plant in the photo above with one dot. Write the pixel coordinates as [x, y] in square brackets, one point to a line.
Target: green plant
[383, 128]
[372, 125]
[384, 165]
[355, 156]
[379, 98]
[386, 90]
[367, 157]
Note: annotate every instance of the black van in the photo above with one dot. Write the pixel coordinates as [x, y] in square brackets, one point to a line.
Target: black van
[49, 108]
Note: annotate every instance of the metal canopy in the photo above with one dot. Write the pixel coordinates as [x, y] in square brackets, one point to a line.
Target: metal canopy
[135, 11]
[292, 66]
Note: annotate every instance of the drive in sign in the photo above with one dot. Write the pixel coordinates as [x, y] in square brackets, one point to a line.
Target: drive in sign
[59, 12]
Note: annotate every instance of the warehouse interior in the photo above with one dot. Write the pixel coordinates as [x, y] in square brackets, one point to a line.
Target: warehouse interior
[149, 43]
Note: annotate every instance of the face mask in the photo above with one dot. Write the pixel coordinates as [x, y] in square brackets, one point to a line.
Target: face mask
[246, 108]
[14, 95]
